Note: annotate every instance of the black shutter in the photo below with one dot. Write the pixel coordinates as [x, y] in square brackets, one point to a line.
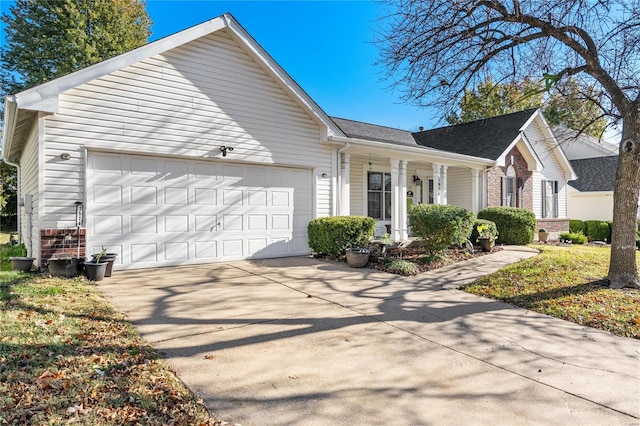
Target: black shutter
[544, 198]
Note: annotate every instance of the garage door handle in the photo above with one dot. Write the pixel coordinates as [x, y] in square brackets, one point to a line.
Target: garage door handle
[214, 227]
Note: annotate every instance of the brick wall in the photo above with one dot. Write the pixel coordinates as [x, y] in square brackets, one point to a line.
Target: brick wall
[62, 243]
[495, 175]
[553, 226]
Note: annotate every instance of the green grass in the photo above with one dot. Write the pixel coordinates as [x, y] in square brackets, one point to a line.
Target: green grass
[67, 356]
[567, 283]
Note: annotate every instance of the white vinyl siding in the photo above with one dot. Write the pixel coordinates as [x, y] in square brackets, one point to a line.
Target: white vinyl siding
[552, 170]
[29, 175]
[184, 103]
[459, 187]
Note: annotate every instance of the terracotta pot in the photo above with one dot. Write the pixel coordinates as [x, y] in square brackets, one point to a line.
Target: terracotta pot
[542, 236]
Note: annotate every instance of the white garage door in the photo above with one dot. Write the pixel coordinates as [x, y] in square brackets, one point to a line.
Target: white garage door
[161, 212]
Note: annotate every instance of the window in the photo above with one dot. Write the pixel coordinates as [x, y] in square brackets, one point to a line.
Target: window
[549, 198]
[509, 191]
[379, 195]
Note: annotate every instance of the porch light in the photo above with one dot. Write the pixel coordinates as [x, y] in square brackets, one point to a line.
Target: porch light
[416, 178]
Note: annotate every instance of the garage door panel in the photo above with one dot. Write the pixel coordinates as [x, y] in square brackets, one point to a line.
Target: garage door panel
[171, 212]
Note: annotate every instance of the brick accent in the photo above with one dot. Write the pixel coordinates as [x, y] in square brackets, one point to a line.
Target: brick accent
[52, 242]
[553, 226]
[495, 175]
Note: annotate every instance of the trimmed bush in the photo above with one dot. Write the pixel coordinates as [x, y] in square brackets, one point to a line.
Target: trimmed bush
[516, 226]
[330, 236]
[440, 226]
[573, 237]
[597, 230]
[491, 228]
[576, 225]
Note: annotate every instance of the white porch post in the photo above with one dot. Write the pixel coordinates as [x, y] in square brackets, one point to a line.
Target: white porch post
[404, 234]
[436, 184]
[443, 189]
[345, 190]
[475, 190]
[395, 201]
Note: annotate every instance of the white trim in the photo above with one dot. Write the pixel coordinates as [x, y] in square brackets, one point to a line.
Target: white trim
[564, 161]
[531, 156]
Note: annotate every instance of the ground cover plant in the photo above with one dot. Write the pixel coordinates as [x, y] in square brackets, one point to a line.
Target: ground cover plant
[567, 283]
[67, 357]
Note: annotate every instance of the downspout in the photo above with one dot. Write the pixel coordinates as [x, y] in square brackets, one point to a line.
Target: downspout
[346, 146]
[18, 220]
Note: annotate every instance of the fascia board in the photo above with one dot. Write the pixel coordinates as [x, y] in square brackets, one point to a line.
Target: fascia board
[415, 154]
[10, 118]
[564, 161]
[537, 165]
[44, 97]
[282, 76]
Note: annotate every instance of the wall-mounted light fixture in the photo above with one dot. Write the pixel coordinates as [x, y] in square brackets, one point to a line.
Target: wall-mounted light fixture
[65, 156]
[416, 178]
[224, 150]
[323, 176]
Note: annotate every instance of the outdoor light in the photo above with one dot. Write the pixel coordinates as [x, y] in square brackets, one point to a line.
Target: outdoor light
[65, 156]
[224, 150]
[324, 175]
[416, 178]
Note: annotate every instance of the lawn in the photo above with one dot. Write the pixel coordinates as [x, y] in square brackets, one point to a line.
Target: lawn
[567, 283]
[67, 357]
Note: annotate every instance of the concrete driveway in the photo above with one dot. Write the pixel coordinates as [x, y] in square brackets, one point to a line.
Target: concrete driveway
[305, 342]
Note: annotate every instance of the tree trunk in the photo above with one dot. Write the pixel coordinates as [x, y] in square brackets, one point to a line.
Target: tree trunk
[623, 271]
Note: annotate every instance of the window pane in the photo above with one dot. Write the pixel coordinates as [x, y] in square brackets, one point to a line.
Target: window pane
[549, 198]
[375, 181]
[387, 205]
[387, 182]
[374, 207]
[430, 191]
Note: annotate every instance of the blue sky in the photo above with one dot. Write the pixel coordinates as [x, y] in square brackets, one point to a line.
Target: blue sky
[326, 46]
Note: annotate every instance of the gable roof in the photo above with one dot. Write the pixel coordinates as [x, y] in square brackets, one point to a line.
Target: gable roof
[486, 138]
[360, 130]
[19, 108]
[579, 146]
[595, 174]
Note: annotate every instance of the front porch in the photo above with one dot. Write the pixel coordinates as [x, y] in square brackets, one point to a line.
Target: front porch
[378, 185]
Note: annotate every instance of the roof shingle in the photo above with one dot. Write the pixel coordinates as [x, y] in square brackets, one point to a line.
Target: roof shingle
[595, 174]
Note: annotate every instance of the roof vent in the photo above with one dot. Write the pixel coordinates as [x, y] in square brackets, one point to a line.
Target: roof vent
[421, 128]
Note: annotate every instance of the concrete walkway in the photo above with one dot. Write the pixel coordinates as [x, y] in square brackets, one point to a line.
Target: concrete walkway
[305, 342]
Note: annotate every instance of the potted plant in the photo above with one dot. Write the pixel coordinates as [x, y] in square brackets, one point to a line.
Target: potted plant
[106, 257]
[358, 257]
[19, 260]
[96, 267]
[486, 237]
[543, 235]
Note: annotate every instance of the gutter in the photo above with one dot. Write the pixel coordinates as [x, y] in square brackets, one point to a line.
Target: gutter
[10, 118]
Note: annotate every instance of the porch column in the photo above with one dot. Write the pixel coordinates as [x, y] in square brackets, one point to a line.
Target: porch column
[436, 184]
[444, 183]
[475, 190]
[345, 188]
[404, 234]
[395, 201]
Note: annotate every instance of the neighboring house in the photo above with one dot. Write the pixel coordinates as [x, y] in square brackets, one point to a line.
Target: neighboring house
[199, 148]
[591, 195]
[578, 147]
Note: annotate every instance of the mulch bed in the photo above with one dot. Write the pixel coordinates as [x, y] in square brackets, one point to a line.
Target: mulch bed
[420, 257]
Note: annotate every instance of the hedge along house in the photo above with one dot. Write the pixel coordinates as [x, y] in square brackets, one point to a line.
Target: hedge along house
[199, 148]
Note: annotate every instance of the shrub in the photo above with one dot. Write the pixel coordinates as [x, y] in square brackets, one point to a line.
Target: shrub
[516, 226]
[491, 229]
[330, 236]
[610, 223]
[576, 225]
[597, 230]
[403, 267]
[440, 226]
[573, 237]
[11, 251]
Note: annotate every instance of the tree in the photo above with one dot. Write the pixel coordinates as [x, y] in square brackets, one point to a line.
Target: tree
[49, 39]
[566, 105]
[435, 49]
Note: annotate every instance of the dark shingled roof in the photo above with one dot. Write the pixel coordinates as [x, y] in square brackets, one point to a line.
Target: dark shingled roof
[372, 132]
[487, 138]
[595, 174]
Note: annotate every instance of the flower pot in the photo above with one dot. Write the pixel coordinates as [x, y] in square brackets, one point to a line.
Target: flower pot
[95, 271]
[69, 267]
[22, 264]
[357, 257]
[485, 244]
[107, 257]
[543, 236]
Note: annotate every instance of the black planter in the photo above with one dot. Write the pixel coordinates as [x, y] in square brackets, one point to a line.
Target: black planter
[95, 271]
[107, 257]
[485, 244]
[69, 267]
[22, 264]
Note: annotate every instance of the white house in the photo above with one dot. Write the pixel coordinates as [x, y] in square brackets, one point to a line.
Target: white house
[199, 148]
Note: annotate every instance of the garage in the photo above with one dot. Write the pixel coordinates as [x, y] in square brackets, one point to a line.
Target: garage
[156, 211]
